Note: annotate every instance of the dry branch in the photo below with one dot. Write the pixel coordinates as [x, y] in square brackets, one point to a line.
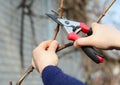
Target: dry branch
[64, 46]
[105, 11]
[28, 71]
[60, 16]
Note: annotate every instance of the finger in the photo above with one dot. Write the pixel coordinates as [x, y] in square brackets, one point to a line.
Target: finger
[54, 45]
[87, 41]
[45, 44]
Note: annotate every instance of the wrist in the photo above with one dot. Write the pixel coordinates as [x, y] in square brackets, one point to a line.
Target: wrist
[40, 69]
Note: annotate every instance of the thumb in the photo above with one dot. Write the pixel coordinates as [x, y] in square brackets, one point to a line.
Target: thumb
[86, 41]
[54, 45]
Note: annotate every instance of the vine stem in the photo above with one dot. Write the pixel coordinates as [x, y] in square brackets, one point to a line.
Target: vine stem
[27, 72]
[105, 11]
[60, 16]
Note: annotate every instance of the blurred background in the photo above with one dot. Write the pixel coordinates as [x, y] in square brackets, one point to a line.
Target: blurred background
[23, 25]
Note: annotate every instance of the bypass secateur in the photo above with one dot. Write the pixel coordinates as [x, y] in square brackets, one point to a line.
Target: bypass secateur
[73, 28]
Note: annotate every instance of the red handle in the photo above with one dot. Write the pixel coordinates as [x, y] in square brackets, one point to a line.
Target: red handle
[73, 36]
[101, 60]
[84, 27]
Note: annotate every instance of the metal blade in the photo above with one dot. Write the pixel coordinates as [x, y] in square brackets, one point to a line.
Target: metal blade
[55, 18]
[69, 23]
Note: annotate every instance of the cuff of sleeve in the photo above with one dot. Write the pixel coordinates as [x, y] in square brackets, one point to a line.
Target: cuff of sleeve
[49, 73]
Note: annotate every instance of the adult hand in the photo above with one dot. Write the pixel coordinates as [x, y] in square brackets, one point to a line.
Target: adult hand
[44, 55]
[103, 37]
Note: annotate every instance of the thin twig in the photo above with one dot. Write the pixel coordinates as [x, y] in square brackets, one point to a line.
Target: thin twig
[56, 31]
[28, 71]
[105, 11]
[64, 46]
[60, 16]
[61, 9]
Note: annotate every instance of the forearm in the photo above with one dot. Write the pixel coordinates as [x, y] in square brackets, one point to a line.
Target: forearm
[52, 75]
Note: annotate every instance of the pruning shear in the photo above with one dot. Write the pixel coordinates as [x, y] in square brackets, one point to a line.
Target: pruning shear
[73, 28]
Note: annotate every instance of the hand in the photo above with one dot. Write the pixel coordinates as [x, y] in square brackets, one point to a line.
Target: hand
[104, 37]
[44, 55]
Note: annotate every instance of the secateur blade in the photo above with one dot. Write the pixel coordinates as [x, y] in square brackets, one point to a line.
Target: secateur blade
[55, 18]
[68, 24]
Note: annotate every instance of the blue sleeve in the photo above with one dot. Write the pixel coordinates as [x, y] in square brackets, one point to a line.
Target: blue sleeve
[53, 75]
